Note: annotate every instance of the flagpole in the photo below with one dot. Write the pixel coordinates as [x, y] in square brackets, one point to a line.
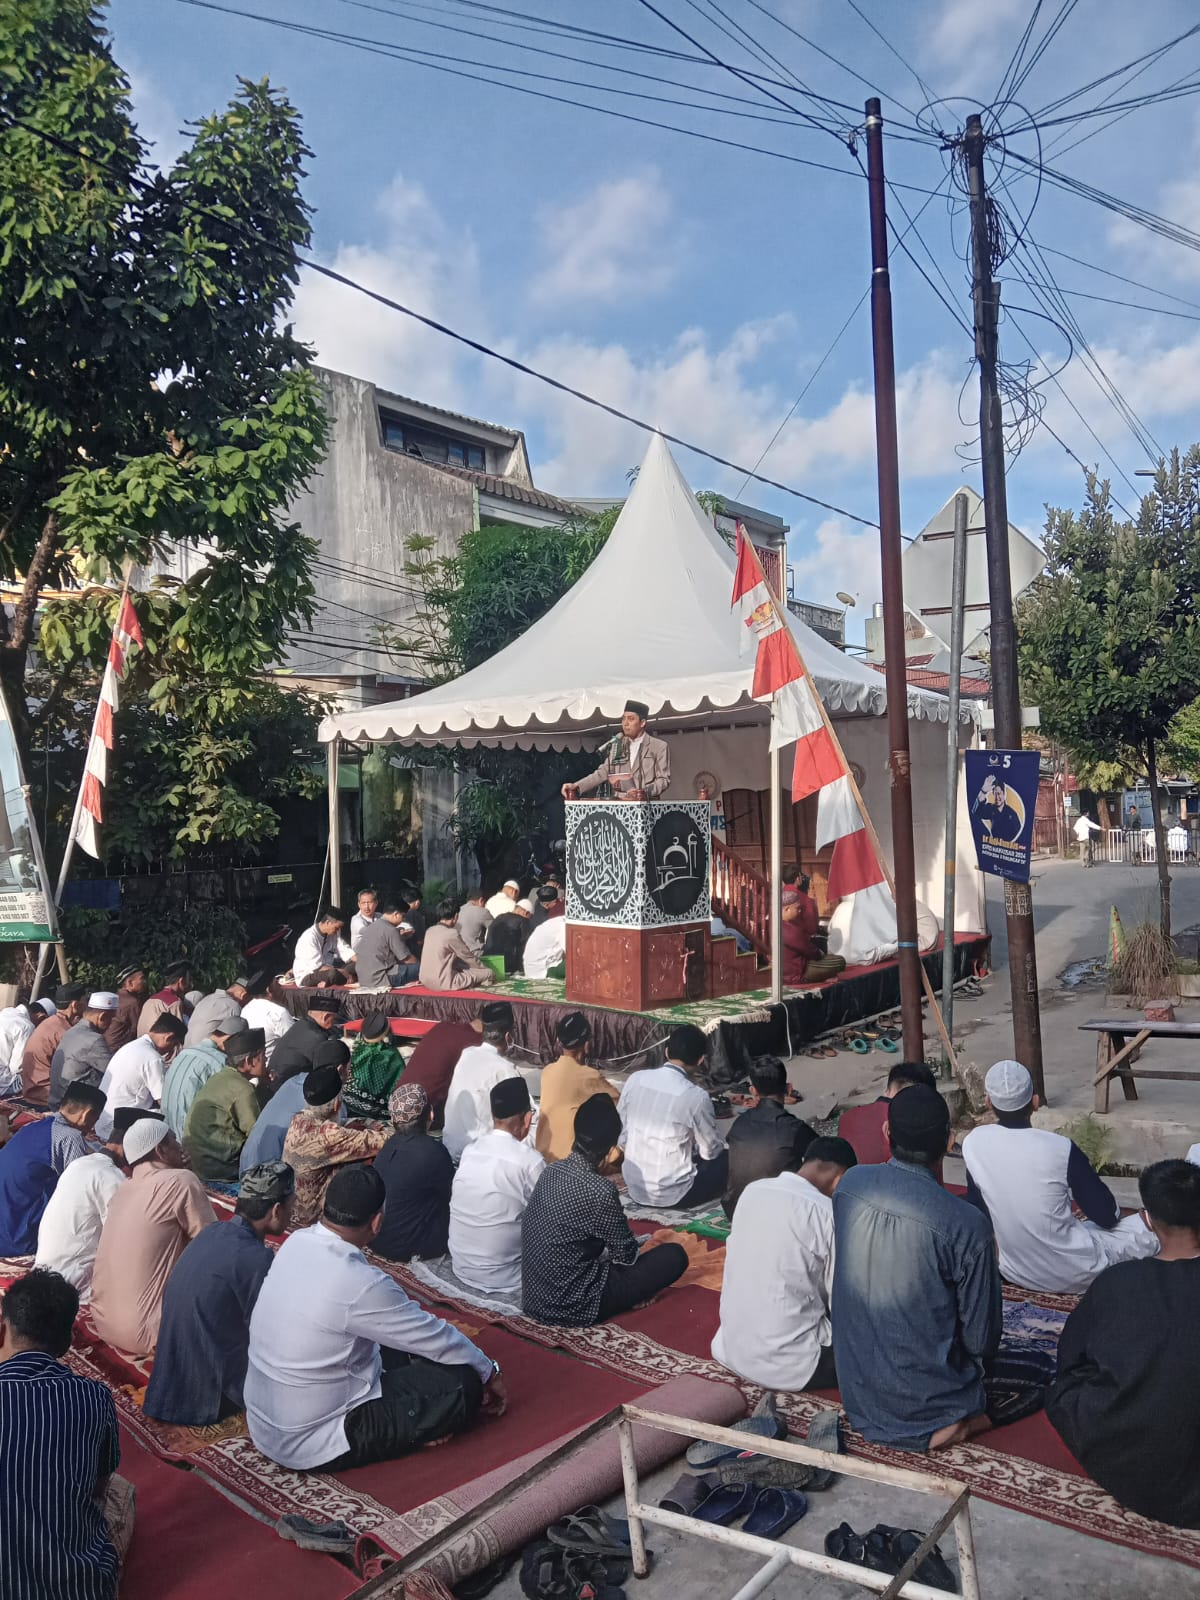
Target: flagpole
[934, 1007]
[776, 814]
[776, 874]
[69, 851]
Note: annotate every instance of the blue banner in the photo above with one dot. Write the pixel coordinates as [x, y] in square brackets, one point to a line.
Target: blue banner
[1002, 787]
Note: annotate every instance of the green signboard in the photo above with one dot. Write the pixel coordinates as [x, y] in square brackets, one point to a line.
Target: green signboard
[26, 903]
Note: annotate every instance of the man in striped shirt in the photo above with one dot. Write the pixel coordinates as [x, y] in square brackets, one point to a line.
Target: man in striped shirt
[58, 1450]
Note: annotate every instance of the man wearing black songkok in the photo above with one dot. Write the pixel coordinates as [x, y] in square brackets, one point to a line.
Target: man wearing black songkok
[581, 1263]
[636, 765]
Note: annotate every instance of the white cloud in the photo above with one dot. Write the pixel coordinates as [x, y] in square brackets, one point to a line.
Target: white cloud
[618, 242]
[156, 118]
[1177, 201]
[421, 262]
[966, 26]
[839, 556]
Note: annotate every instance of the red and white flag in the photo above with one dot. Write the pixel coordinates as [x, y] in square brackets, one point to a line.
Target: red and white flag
[90, 812]
[820, 764]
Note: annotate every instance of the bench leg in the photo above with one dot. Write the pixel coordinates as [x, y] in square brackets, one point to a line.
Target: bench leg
[1104, 1054]
[1125, 1074]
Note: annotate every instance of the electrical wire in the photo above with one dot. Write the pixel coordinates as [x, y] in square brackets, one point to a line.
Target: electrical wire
[1149, 57]
[1133, 283]
[1014, 61]
[887, 43]
[1043, 45]
[412, 58]
[451, 333]
[841, 65]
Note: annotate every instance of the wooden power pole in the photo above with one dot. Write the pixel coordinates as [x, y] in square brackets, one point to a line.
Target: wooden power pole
[1006, 699]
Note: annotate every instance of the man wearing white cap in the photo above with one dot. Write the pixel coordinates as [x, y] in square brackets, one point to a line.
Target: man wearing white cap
[150, 1221]
[84, 1054]
[1027, 1178]
[505, 897]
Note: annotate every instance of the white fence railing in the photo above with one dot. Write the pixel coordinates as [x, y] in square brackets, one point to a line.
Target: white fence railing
[1136, 846]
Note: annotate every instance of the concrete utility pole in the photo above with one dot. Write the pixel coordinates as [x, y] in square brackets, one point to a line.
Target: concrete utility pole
[1006, 699]
[890, 549]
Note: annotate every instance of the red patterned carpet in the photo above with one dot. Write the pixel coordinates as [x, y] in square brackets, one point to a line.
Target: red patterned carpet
[1024, 1467]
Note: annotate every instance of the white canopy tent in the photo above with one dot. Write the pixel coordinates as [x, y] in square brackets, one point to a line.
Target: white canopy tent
[651, 620]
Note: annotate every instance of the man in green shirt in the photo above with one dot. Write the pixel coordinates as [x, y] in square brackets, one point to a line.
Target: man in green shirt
[191, 1070]
[227, 1107]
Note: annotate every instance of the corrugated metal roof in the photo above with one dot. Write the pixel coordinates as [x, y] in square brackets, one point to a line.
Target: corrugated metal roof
[507, 489]
[920, 678]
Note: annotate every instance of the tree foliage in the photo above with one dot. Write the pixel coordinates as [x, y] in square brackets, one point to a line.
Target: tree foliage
[153, 401]
[1109, 636]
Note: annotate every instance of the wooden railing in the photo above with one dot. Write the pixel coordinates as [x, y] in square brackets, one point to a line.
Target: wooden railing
[741, 897]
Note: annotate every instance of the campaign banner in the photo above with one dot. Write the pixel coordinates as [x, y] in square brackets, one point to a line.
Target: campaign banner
[1002, 787]
[26, 901]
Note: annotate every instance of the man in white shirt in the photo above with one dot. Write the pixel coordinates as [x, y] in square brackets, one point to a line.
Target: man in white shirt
[16, 1030]
[69, 1232]
[134, 1075]
[344, 1369]
[491, 1190]
[322, 956]
[674, 1155]
[546, 947]
[264, 1011]
[504, 899]
[1083, 830]
[775, 1327]
[479, 1069]
[368, 907]
[1028, 1179]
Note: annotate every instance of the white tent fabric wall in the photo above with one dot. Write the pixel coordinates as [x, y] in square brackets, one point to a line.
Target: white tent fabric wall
[738, 758]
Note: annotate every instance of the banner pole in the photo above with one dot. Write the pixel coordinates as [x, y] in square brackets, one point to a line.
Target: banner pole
[69, 851]
[776, 876]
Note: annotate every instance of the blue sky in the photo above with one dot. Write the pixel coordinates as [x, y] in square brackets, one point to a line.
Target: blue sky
[698, 286]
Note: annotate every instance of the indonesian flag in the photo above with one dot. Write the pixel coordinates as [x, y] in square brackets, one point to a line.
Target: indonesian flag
[820, 764]
[90, 812]
[776, 661]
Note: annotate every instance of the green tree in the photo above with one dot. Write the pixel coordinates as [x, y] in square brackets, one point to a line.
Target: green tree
[1109, 639]
[152, 400]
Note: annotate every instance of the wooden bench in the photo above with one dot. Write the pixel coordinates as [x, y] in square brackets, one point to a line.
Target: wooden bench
[1119, 1045]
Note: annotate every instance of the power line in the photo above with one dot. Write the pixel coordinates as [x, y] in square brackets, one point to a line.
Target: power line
[451, 333]
[1149, 57]
[812, 44]
[407, 55]
[1133, 283]
[1014, 61]
[887, 43]
[1044, 44]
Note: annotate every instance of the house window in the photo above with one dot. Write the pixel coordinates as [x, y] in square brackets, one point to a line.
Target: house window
[429, 445]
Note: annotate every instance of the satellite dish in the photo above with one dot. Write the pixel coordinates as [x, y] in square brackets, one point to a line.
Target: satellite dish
[846, 599]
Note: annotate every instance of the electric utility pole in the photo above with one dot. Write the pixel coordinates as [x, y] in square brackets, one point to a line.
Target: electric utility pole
[895, 665]
[1006, 698]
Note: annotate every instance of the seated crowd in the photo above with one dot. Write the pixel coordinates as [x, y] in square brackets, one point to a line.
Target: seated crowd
[849, 1263]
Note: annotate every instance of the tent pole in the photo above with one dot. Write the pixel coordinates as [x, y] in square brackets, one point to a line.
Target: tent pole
[776, 878]
[335, 841]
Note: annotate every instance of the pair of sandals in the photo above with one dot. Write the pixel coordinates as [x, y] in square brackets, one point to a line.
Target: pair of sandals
[586, 1556]
[768, 1512]
[886, 1549]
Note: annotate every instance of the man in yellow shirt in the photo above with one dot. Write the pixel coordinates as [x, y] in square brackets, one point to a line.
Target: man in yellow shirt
[566, 1084]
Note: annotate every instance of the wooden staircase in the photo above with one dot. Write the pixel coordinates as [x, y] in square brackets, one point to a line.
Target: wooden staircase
[741, 897]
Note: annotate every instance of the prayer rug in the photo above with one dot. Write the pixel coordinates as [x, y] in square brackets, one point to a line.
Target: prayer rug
[191, 1543]
[1025, 1467]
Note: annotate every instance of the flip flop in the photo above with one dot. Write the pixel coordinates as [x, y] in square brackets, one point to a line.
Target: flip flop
[686, 1493]
[769, 1472]
[890, 1045]
[934, 1570]
[775, 1511]
[860, 1047]
[593, 1532]
[703, 1455]
[727, 1503]
[843, 1544]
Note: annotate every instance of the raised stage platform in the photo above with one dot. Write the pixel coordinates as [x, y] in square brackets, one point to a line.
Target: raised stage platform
[740, 1026]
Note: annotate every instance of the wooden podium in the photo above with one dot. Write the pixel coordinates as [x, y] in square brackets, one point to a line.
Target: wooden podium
[637, 902]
